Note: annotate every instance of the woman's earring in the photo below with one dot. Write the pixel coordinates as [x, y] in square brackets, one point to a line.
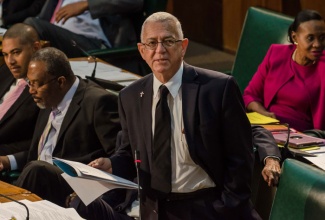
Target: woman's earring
[295, 43]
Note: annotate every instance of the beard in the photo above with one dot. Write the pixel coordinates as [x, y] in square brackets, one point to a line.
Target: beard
[41, 105]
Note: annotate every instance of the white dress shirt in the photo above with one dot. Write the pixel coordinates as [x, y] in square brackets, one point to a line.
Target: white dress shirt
[186, 175]
[83, 24]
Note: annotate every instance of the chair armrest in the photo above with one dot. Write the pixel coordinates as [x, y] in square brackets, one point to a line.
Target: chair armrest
[10, 176]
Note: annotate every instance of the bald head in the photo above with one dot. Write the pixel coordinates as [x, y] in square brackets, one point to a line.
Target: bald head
[25, 33]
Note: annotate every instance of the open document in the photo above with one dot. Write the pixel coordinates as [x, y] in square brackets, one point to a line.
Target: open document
[103, 71]
[88, 182]
[37, 210]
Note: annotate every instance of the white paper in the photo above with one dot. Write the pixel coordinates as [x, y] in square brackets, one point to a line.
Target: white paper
[89, 172]
[90, 182]
[103, 71]
[318, 161]
[37, 211]
[87, 190]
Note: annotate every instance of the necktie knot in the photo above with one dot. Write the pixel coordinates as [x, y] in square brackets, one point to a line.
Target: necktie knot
[21, 83]
[163, 91]
[55, 112]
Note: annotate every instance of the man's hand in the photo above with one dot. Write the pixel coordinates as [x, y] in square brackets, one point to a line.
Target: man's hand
[71, 10]
[4, 163]
[271, 171]
[102, 164]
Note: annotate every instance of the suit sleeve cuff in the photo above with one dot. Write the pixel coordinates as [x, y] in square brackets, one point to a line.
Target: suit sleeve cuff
[275, 157]
[13, 162]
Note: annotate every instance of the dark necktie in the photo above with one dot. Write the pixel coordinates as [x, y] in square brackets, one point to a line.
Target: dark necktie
[161, 160]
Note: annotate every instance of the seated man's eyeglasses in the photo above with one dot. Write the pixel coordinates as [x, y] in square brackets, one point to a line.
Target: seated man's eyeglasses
[152, 45]
[35, 85]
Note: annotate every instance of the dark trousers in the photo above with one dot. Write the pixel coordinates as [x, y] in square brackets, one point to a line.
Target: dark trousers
[45, 180]
[98, 209]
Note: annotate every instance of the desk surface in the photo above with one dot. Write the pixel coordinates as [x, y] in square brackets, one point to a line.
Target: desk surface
[16, 193]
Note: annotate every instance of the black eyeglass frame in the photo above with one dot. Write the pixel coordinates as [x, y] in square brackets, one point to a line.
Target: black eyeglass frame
[30, 85]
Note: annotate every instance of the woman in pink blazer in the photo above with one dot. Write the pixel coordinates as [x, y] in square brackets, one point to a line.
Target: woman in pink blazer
[290, 82]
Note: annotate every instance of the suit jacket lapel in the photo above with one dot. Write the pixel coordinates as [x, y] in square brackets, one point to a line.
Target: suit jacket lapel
[190, 88]
[73, 108]
[24, 95]
[6, 80]
[145, 107]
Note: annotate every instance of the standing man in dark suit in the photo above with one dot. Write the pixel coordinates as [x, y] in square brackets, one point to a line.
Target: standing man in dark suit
[205, 152]
[17, 122]
[78, 121]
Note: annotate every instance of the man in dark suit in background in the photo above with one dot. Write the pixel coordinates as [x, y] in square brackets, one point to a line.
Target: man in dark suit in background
[78, 121]
[17, 122]
[16, 11]
[197, 162]
[94, 24]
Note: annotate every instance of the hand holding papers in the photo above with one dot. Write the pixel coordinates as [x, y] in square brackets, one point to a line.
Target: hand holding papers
[89, 183]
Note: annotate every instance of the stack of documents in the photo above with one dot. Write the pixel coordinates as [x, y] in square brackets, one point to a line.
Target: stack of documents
[103, 71]
[37, 210]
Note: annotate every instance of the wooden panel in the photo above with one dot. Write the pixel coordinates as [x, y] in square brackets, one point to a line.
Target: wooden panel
[234, 15]
[29, 196]
[318, 5]
[8, 189]
[201, 21]
[16, 193]
[218, 23]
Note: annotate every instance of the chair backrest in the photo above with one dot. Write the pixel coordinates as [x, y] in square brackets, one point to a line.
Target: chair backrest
[261, 28]
[300, 194]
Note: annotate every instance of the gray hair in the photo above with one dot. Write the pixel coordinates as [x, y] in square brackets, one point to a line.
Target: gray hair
[27, 34]
[57, 63]
[164, 17]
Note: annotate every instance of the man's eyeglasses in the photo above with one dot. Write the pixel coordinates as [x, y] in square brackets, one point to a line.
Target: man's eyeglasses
[34, 85]
[152, 45]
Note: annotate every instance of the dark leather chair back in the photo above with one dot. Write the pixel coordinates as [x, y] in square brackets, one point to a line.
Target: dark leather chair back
[300, 194]
[261, 28]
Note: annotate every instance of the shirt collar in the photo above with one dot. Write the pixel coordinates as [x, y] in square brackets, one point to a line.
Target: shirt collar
[173, 84]
[68, 96]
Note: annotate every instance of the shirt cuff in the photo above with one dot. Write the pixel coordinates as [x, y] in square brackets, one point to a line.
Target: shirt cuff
[275, 157]
[13, 162]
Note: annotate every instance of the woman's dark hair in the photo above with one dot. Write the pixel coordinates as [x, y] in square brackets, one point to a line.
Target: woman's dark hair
[303, 16]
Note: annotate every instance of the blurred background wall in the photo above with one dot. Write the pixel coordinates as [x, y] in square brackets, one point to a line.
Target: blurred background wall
[218, 23]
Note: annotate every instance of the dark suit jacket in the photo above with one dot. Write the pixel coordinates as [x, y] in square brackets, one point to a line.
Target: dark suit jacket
[88, 130]
[217, 131]
[264, 143]
[117, 19]
[17, 125]
[15, 11]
